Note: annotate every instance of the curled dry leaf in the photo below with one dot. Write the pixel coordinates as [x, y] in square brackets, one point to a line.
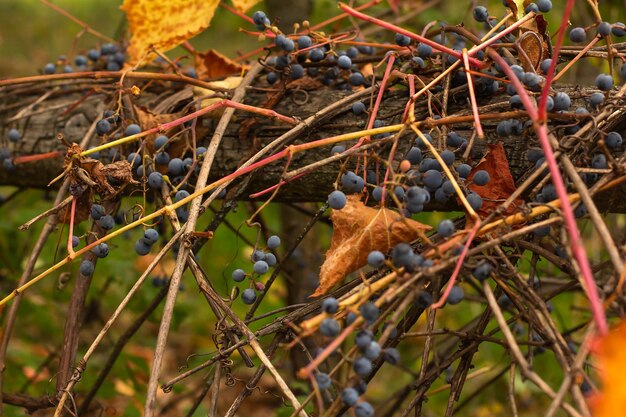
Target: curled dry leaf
[148, 120]
[164, 24]
[501, 184]
[213, 65]
[358, 230]
[198, 92]
[611, 360]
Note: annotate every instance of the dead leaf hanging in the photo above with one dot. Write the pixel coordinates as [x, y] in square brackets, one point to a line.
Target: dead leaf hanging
[358, 230]
[501, 184]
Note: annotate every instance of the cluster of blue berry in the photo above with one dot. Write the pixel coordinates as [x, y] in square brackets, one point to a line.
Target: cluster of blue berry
[262, 261]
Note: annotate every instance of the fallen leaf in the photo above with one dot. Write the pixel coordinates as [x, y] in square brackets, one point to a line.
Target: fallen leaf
[358, 230]
[611, 360]
[212, 65]
[501, 184]
[533, 41]
[164, 24]
[244, 5]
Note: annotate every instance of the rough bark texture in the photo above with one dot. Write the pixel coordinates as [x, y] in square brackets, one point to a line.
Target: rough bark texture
[71, 108]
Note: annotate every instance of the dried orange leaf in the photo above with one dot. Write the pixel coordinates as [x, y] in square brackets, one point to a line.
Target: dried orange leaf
[501, 184]
[244, 5]
[212, 64]
[611, 359]
[358, 230]
[164, 24]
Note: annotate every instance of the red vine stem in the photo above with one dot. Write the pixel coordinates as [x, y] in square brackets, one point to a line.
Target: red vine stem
[576, 246]
[398, 29]
[70, 247]
[470, 86]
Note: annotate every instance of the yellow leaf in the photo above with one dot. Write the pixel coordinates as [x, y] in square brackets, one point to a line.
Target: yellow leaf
[244, 5]
[164, 24]
[611, 357]
[230, 82]
[358, 230]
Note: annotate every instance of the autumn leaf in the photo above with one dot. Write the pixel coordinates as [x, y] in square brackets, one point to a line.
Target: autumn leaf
[611, 359]
[164, 24]
[358, 230]
[212, 64]
[244, 5]
[501, 184]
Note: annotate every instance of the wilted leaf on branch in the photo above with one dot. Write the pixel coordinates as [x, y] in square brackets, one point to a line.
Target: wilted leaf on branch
[501, 184]
[213, 65]
[611, 358]
[164, 24]
[358, 230]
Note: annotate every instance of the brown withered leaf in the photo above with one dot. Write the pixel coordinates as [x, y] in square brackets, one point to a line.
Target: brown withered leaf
[533, 41]
[501, 184]
[611, 358]
[358, 230]
[213, 65]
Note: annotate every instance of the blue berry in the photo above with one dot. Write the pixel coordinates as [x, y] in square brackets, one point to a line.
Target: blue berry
[577, 35]
[323, 380]
[337, 200]
[419, 61]
[14, 135]
[200, 150]
[532, 7]
[181, 194]
[304, 42]
[297, 71]
[544, 6]
[49, 68]
[108, 49]
[107, 222]
[596, 99]
[358, 108]
[162, 158]
[97, 211]
[372, 351]
[402, 40]
[604, 29]
[362, 366]
[316, 54]
[448, 157]
[480, 14]
[349, 396]
[424, 300]
[75, 241]
[369, 311]
[270, 258]
[259, 17]
[248, 296]
[132, 129]
[272, 77]
[101, 250]
[363, 339]
[463, 170]
[375, 259]
[364, 409]
[561, 101]
[481, 177]
[93, 55]
[160, 141]
[175, 167]
[330, 305]
[344, 62]
[613, 140]
[356, 79]
[86, 268]
[392, 356]
[618, 29]
[238, 275]
[103, 127]
[260, 267]
[330, 327]
[456, 295]
[337, 149]
[432, 179]
[604, 82]
[482, 271]
[273, 242]
[80, 60]
[155, 180]
[151, 236]
[598, 161]
[446, 228]
[142, 248]
[424, 50]
[474, 200]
